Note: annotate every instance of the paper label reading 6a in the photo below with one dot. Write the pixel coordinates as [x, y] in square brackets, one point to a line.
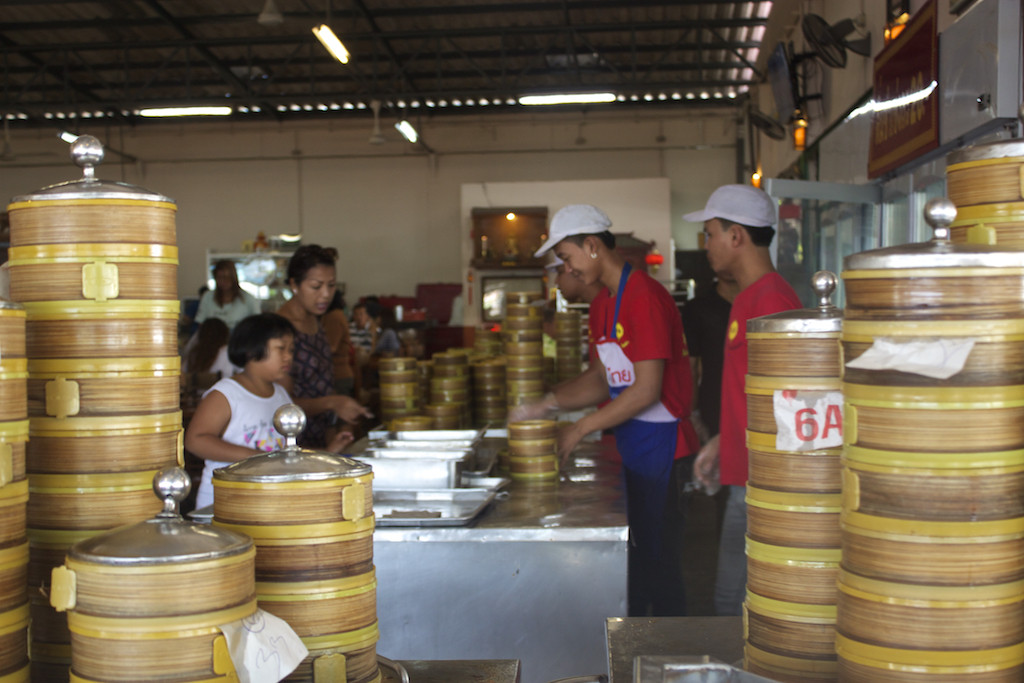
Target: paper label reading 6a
[808, 420]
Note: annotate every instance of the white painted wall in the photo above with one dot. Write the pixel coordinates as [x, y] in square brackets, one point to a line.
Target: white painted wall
[395, 213]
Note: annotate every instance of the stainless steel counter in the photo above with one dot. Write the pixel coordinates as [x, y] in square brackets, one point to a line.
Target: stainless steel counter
[533, 578]
[478, 671]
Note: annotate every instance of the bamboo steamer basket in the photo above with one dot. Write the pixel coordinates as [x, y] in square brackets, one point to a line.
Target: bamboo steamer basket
[522, 323]
[13, 393]
[310, 515]
[796, 520]
[526, 348]
[797, 471]
[399, 364]
[791, 629]
[412, 423]
[788, 669]
[519, 448]
[526, 430]
[146, 601]
[932, 522]
[13, 501]
[398, 376]
[64, 387]
[789, 574]
[984, 181]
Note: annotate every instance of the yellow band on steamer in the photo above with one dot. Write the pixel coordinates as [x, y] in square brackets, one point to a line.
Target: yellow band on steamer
[157, 628]
[125, 425]
[258, 533]
[768, 385]
[104, 482]
[1009, 461]
[114, 252]
[349, 640]
[122, 367]
[302, 485]
[14, 556]
[983, 330]
[793, 502]
[765, 442]
[118, 308]
[929, 661]
[929, 596]
[792, 611]
[934, 398]
[293, 588]
[917, 530]
[327, 595]
[812, 558]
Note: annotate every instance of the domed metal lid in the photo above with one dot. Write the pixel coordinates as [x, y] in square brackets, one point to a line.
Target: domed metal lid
[292, 463]
[825, 318]
[165, 539]
[87, 152]
[998, 149]
[938, 252]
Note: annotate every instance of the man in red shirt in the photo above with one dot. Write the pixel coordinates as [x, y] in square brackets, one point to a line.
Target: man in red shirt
[737, 228]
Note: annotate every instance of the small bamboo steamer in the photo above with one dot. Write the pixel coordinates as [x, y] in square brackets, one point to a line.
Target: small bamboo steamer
[87, 220]
[398, 376]
[801, 472]
[944, 617]
[518, 448]
[985, 174]
[522, 399]
[399, 390]
[13, 501]
[522, 310]
[525, 386]
[449, 383]
[411, 423]
[444, 371]
[90, 501]
[400, 364]
[794, 670]
[799, 520]
[521, 323]
[490, 394]
[869, 663]
[792, 629]
[531, 478]
[522, 336]
[541, 464]
[521, 374]
[526, 430]
[449, 357]
[13, 576]
[527, 348]
[61, 388]
[804, 575]
[760, 392]
[352, 654]
[14, 662]
[97, 271]
[453, 396]
[121, 444]
[12, 331]
[13, 443]
[999, 224]
[436, 410]
[410, 405]
[524, 362]
[152, 329]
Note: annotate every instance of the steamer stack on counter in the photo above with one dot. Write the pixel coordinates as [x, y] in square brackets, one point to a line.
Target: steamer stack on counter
[14, 609]
[146, 602]
[533, 451]
[311, 517]
[793, 493]
[931, 586]
[486, 342]
[490, 396]
[401, 393]
[568, 341]
[984, 182]
[523, 331]
[95, 265]
[449, 391]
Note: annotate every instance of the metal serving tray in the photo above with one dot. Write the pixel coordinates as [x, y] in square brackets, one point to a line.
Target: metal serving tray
[665, 669]
[472, 435]
[418, 471]
[474, 480]
[434, 507]
[429, 444]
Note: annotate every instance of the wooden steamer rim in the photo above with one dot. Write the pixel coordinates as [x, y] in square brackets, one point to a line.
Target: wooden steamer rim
[77, 252]
[153, 309]
[929, 661]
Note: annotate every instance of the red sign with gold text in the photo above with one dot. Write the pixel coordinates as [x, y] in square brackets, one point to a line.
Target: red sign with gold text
[905, 120]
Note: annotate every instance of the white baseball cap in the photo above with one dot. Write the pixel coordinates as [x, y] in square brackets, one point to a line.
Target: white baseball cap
[554, 262]
[741, 204]
[575, 219]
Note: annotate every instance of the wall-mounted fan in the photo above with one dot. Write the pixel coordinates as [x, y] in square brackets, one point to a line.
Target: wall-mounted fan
[829, 43]
[766, 124]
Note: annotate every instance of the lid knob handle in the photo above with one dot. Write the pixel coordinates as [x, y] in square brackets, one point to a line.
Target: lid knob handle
[824, 284]
[171, 485]
[939, 213]
[87, 153]
[289, 420]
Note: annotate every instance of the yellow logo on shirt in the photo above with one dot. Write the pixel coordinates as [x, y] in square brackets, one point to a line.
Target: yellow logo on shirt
[734, 329]
[619, 331]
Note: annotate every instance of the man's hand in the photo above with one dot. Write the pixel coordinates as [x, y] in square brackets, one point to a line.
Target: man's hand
[705, 468]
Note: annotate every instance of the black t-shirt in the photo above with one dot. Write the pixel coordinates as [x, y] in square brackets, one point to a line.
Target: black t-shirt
[705, 320]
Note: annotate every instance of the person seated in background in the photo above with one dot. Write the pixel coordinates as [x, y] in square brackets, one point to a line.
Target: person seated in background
[235, 419]
[209, 353]
[336, 327]
[227, 300]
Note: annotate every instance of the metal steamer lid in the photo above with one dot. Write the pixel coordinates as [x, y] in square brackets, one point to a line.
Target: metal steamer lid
[87, 153]
[165, 539]
[826, 318]
[292, 463]
[10, 306]
[938, 252]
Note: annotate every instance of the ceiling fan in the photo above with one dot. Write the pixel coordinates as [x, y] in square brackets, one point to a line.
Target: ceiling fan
[829, 43]
[766, 124]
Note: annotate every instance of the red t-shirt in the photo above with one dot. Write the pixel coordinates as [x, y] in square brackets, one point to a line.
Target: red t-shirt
[649, 328]
[770, 294]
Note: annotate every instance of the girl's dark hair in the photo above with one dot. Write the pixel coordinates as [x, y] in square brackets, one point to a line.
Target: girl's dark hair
[236, 289]
[606, 237]
[306, 258]
[337, 301]
[211, 335]
[250, 337]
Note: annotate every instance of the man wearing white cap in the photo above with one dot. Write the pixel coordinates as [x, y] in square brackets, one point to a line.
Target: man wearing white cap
[738, 230]
[638, 359]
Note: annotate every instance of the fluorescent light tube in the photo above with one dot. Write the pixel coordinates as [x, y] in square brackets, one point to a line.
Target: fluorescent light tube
[185, 111]
[407, 131]
[67, 137]
[326, 36]
[568, 98]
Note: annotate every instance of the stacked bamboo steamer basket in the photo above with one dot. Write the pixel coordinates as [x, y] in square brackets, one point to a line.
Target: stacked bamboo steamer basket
[400, 391]
[523, 332]
[95, 265]
[568, 345]
[146, 602]
[985, 183]
[14, 608]
[487, 342]
[533, 451]
[311, 517]
[490, 396]
[449, 390]
[794, 438]
[931, 587]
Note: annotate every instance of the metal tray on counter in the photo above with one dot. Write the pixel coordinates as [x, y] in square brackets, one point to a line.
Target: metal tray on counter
[667, 669]
[471, 435]
[429, 507]
[417, 470]
[474, 480]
